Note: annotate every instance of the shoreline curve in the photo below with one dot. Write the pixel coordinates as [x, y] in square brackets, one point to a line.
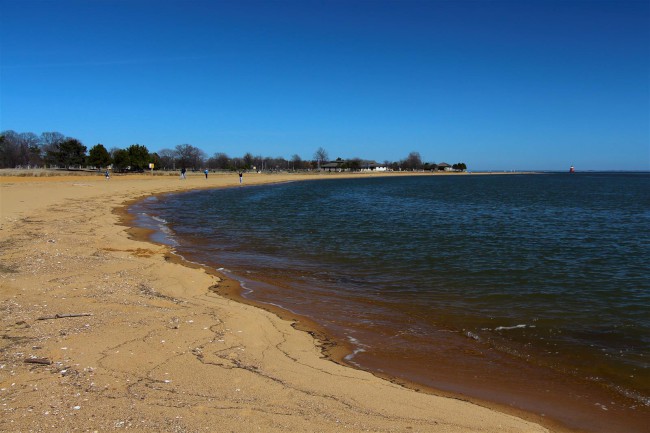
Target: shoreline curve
[157, 341]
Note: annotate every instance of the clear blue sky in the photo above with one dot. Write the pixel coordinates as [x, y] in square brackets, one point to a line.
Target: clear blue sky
[498, 85]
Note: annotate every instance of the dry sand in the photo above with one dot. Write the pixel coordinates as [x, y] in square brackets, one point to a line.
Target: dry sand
[156, 348]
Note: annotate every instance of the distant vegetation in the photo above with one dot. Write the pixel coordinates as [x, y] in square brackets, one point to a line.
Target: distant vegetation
[55, 150]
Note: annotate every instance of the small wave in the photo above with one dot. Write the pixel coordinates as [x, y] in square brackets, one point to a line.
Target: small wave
[351, 356]
[353, 340]
[358, 348]
[152, 217]
[162, 232]
[157, 218]
[509, 328]
[473, 336]
[166, 230]
[245, 289]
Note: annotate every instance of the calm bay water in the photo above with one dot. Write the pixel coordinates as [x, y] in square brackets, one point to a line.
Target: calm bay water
[478, 272]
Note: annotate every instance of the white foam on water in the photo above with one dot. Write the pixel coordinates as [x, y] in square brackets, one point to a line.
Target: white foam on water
[156, 218]
[508, 328]
[358, 348]
[159, 224]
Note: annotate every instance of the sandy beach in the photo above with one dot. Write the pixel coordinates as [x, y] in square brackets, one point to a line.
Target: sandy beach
[104, 332]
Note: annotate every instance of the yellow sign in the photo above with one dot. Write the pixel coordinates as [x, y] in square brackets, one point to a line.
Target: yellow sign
[151, 165]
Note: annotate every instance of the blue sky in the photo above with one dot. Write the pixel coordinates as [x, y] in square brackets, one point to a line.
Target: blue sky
[498, 85]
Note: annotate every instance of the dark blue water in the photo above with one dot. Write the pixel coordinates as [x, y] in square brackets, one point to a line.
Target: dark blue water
[553, 269]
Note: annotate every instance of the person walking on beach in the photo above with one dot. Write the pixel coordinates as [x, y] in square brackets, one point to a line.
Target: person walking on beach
[206, 173]
[183, 173]
[107, 174]
[241, 177]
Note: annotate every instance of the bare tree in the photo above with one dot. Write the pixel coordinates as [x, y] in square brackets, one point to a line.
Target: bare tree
[267, 163]
[188, 156]
[219, 161]
[413, 161]
[296, 162]
[50, 142]
[320, 156]
[237, 163]
[30, 149]
[9, 149]
[167, 159]
[51, 138]
[248, 160]
[19, 149]
[258, 162]
[275, 164]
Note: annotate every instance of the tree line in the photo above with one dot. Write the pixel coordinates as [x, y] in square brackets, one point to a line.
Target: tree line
[55, 150]
[413, 162]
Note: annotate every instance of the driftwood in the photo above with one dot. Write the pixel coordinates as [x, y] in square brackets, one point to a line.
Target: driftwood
[63, 316]
[40, 361]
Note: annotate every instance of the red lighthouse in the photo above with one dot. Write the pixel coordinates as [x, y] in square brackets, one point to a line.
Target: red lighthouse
[572, 170]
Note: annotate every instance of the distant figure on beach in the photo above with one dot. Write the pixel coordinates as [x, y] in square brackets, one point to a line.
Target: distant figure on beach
[183, 173]
[107, 174]
[241, 177]
[206, 173]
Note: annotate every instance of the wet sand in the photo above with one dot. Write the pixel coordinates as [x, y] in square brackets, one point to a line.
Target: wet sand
[102, 331]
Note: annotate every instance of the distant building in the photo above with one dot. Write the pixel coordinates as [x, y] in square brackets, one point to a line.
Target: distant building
[332, 166]
[372, 166]
[443, 166]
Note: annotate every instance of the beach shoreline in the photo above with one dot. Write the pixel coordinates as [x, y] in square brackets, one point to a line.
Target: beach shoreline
[101, 331]
[28, 201]
[501, 390]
